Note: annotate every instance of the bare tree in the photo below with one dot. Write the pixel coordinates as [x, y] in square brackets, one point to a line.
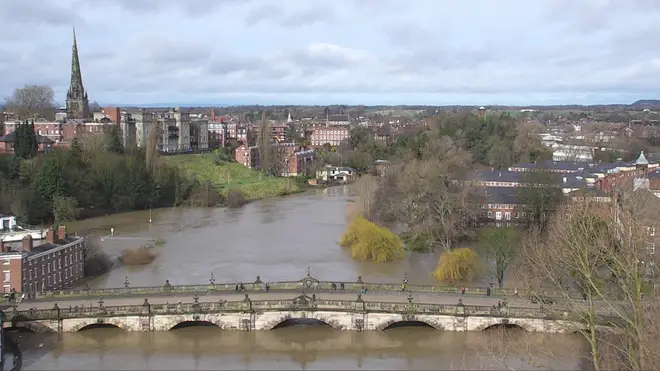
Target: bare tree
[32, 101]
[436, 208]
[269, 154]
[593, 258]
[94, 107]
[153, 142]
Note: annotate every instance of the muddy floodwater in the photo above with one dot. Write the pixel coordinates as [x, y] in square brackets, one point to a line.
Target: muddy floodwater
[277, 239]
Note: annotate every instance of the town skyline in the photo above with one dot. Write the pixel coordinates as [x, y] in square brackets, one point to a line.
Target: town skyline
[351, 52]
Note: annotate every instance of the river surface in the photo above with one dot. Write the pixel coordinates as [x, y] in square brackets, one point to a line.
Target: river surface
[277, 239]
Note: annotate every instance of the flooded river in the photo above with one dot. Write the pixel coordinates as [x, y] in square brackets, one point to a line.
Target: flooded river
[277, 239]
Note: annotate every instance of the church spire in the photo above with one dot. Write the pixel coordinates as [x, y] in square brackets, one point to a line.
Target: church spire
[76, 98]
[76, 88]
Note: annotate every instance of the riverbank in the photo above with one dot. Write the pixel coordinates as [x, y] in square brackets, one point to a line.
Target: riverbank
[226, 176]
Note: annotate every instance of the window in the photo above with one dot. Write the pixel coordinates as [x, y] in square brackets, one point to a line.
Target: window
[490, 214]
[650, 248]
[5, 262]
[7, 276]
[650, 231]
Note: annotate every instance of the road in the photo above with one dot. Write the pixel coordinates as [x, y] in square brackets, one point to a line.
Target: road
[447, 299]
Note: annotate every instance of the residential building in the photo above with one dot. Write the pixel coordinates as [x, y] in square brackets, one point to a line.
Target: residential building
[248, 156]
[564, 152]
[335, 173]
[52, 130]
[77, 103]
[199, 135]
[337, 120]
[57, 263]
[217, 132]
[7, 143]
[335, 136]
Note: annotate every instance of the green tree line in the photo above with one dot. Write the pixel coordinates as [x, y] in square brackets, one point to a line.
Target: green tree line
[94, 176]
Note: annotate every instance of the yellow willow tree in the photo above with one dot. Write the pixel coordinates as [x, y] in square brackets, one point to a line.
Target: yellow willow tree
[461, 264]
[369, 241]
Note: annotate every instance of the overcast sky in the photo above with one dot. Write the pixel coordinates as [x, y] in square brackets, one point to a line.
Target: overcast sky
[436, 52]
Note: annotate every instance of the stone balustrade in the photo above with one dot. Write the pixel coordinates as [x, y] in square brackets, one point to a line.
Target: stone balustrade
[307, 284]
[247, 305]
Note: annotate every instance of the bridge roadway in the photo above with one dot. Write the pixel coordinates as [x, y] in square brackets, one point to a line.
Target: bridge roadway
[401, 297]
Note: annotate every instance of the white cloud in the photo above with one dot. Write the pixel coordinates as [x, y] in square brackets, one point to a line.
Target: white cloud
[359, 51]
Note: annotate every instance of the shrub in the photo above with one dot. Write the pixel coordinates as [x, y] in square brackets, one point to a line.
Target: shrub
[139, 256]
[97, 262]
[235, 198]
[461, 264]
[369, 241]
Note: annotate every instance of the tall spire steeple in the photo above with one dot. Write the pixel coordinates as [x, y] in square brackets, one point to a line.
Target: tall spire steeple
[77, 105]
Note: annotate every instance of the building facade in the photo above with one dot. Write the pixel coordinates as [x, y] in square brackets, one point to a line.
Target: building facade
[57, 263]
[336, 136]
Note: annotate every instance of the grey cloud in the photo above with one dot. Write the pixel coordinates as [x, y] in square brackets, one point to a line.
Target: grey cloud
[309, 16]
[262, 13]
[33, 13]
[192, 8]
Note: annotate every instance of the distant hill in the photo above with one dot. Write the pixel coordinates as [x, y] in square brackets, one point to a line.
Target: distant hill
[647, 103]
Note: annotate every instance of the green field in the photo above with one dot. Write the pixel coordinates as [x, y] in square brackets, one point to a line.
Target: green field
[231, 175]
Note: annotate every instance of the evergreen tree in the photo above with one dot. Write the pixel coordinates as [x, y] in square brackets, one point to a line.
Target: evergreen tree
[25, 140]
[76, 151]
[113, 140]
[49, 181]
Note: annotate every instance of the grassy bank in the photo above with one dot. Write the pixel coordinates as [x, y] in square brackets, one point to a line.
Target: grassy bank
[226, 176]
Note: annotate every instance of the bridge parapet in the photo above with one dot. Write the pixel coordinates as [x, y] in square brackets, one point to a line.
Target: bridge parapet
[302, 302]
[308, 284]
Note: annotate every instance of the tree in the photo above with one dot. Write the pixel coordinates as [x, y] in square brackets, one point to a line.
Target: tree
[32, 101]
[113, 139]
[49, 181]
[25, 140]
[429, 200]
[94, 107]
[152, 145]
[501, 246]
[269, 156]
[460, 264]
[541, 196]
[592, 257]
[369, 241]
[65, 209]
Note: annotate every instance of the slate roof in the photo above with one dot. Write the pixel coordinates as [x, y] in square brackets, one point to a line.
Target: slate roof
[11, 138]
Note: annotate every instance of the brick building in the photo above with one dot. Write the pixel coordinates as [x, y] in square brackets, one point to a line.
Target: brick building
[335, 136]
[57, 263]
[247, 156]
[7, 143]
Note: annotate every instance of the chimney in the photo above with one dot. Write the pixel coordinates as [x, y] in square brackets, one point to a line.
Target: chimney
[50, 235]
[61, 232]
[27, 243]
[212, 114]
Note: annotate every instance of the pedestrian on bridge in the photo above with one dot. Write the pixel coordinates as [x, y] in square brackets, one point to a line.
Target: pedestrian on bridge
[462, 290]
[488, 291]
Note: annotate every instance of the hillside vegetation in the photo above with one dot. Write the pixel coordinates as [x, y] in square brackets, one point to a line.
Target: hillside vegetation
[226, 176]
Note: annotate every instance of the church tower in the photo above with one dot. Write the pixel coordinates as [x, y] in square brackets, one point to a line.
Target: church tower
[77, 105]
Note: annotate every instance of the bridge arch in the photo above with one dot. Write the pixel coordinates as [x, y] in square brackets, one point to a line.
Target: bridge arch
[193, 323]
[281, 320]
[28, 326]
[93, 326]
[411, 321]
[94, 323]
[504, 326]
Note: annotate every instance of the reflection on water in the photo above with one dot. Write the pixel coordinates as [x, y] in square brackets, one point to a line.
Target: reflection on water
[300, 347]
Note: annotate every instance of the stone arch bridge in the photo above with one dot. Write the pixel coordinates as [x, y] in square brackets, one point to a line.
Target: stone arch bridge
[248, 315]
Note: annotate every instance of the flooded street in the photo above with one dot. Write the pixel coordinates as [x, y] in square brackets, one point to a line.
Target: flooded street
[276, 239]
